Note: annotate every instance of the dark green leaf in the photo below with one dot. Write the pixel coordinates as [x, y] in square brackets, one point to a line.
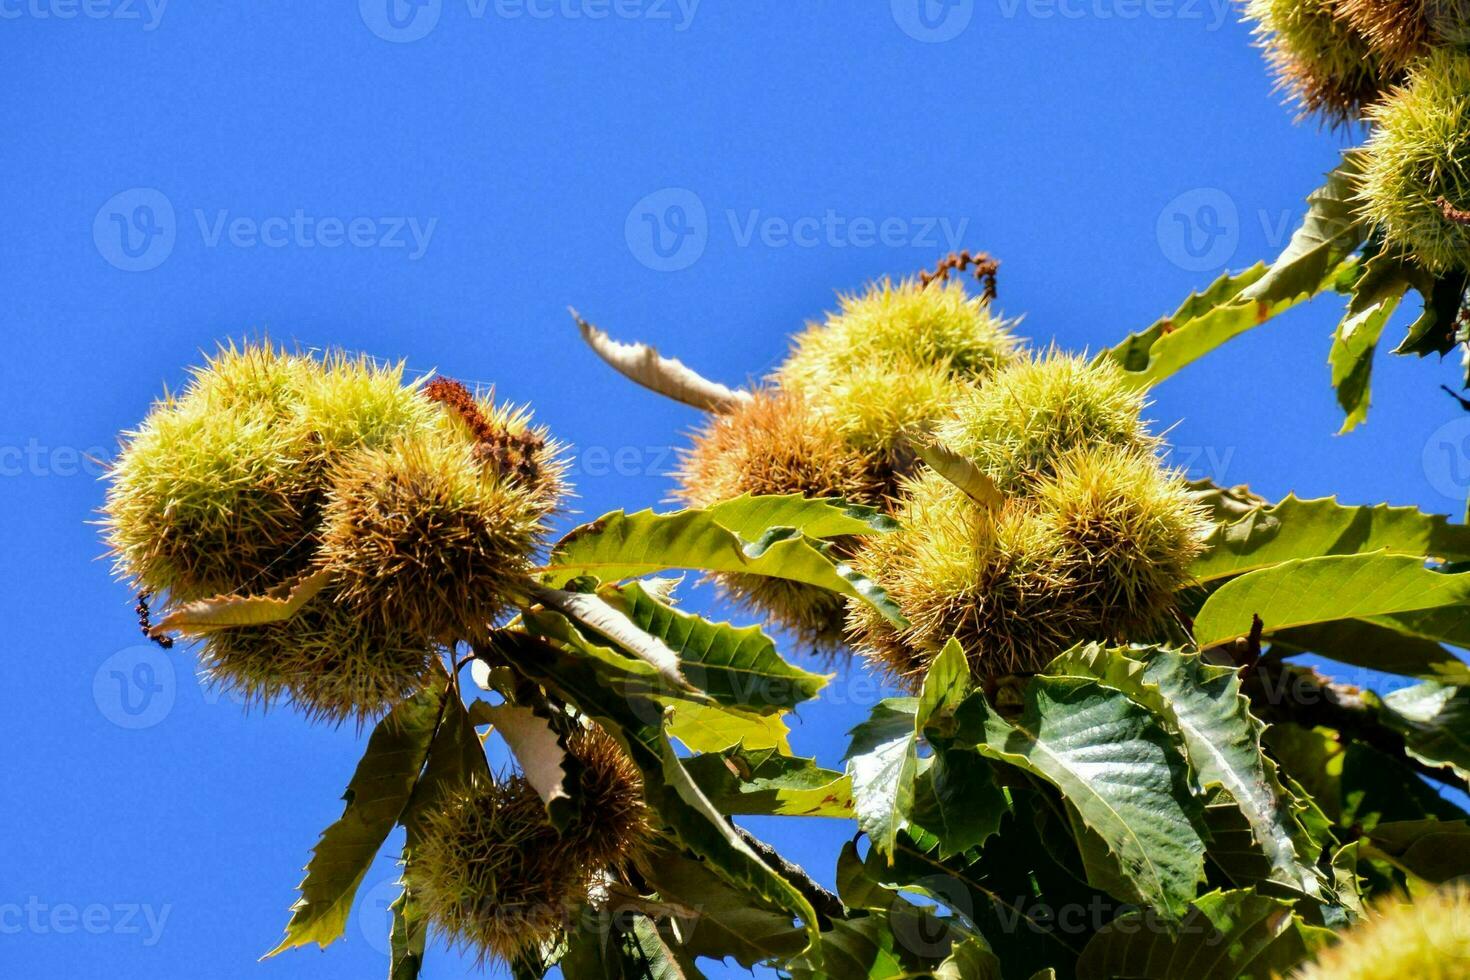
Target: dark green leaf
[1234, 935]
[1205, 706]
[882, 764]
[379, 791]
[1435, 329]
[739, 780]
[1436, 851]
[721, 921]
[735, 666]
[1115, 764]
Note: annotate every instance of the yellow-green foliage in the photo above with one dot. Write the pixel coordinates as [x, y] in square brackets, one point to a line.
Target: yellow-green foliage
[879, 366]
[1428, 939]
[1418, 163]
[325, 659]
[1324, 65]
[1018, 424]
[1091, 542]
[495, 876]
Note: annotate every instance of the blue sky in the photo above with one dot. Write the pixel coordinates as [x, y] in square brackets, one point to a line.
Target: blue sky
[437, 182]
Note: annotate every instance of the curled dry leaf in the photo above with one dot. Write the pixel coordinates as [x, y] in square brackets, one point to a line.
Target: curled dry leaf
[665, 375]
[277, 605]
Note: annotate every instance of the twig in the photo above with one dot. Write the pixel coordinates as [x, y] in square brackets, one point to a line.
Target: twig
[162, 639]
[825, 903]
[1282, 692]
[985, 268]
[1464, 402]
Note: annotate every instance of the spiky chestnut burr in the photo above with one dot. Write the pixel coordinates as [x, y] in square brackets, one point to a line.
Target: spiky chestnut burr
[326, 660]
[495, 876]
[1427, 938]
[889, 361]
[219, 489]
[435, 536]
[775, 444]
[1415, 183]
[1028, 416]
[1322, 63]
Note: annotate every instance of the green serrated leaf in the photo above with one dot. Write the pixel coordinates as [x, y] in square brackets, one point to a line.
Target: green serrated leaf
[882, 764]
[721, 921]
[1115, 764]
[1013, 891]
[378, 793]
[956, 796]
[225, 611]
[1296, 528]
[734, 665]
[1435, 851]
[713, 727]
[1435, 722]
[620, 546]
[1375, 295]
[744, 780]
[1231, 935]
[1222, 739]
[1317, 258]
[1322, 590]
[1355, 786]
[1135, 352]
[408, 935]
[751, 516]
[958, 800]
[1435, 329]
[858, 949]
